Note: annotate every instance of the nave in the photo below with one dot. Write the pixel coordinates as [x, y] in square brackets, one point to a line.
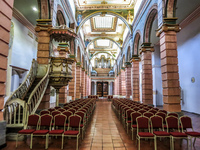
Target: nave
[105, 132]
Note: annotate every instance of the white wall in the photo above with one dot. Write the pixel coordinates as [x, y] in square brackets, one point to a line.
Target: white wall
[157, 77]
[24, 47]
[188, 42]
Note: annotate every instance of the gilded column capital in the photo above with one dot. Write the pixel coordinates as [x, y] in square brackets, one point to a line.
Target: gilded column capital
[168, 25]
[146, 47]
[135, 58]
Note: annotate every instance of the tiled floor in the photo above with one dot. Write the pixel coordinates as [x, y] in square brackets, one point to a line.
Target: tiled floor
[105, 132]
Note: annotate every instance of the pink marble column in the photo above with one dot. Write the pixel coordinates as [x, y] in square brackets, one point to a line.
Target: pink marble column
[135, 80]
[147, 85]
[72, 83]
[123, 82]
[169, 67]
[128, 79]
[78, 80]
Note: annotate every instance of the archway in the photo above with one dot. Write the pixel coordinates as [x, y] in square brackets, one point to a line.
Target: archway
[136, 45]
[60, 18]
[170, 8]
[148, 26]
[103, 12]
[78, 57]
[44, 9]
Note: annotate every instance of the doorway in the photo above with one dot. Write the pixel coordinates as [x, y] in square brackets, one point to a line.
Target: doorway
[102, 89]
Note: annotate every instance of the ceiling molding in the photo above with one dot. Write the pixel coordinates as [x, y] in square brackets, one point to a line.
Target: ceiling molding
[104, 6]
[105, 35]
[190, 18]
[94, 29]
[20, 17]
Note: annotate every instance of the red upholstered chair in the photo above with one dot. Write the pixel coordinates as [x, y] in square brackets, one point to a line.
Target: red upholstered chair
[30, 127]
[173, 114]
[173, 124]
[51, 110]
[186, 123]
[163, 115]
[55, 113]
[157, 127]
[153, 111]
[67, 114]
[83, 121]
[59, 126]
[74, 123]
[148, 114]
[143, 123]
[61, 109]
[142, 111]
[66, 107]
[134, 115]
[57, 107]
[43, 129]
[72, 110]
[44, 112]
[163, 111]
[136, 108]
[128, 117]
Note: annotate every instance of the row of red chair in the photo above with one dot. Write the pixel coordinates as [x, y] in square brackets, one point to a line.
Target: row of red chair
[142, 116]
[54, 123]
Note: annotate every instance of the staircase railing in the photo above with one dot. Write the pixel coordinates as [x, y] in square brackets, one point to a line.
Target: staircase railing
[37, 94]
[21, 91]
[14, 107]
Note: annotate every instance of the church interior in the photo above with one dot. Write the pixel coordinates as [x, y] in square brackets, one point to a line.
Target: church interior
[99, 74]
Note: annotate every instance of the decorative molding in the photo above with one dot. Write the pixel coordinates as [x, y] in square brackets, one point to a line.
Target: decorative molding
[20, 17]
[113, 29]
[104, 6]
[190, 18]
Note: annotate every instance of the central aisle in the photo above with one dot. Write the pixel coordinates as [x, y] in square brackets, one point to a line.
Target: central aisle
[105, 131]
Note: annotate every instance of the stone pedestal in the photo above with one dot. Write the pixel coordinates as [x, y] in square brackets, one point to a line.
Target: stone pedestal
[169, 67]
[135, 80]
[128, 80]
[147, 86]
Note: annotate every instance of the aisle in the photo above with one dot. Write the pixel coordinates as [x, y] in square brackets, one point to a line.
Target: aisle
[105, 131]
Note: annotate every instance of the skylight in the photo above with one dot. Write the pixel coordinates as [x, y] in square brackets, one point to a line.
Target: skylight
[103, 22]
[105, 43]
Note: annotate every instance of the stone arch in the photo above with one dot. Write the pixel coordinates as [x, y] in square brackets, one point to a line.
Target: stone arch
[104, 38]
[60, 18]
[60, 15]
[96, 53]
[136, 43]
[149, 21]
[170, 8]
[44, 9]
[100, 12]
[128, 54]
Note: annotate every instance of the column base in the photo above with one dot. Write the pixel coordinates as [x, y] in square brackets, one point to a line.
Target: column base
[172, 107]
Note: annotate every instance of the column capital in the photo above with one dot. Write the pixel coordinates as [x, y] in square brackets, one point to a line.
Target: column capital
[169, 25]
[146, 47]
[135, 58]
[122, 69]
[127, 64]
[42, 27]
[78, 64]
